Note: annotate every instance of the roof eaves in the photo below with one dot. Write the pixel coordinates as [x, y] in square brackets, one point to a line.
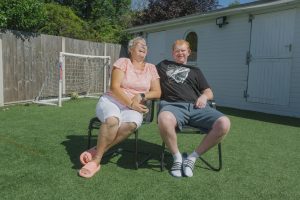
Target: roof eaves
[250, 7]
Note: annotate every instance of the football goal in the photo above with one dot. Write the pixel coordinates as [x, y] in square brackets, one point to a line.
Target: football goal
[75, 76]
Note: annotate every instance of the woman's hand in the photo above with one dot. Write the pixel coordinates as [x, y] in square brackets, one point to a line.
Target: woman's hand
[138, 104]
[139, 107]
[137, 98]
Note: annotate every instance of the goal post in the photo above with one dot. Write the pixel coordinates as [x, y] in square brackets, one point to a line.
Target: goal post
[83, 75]
[81, 80]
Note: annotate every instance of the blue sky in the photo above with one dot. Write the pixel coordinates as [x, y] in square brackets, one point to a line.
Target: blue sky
[225, 3]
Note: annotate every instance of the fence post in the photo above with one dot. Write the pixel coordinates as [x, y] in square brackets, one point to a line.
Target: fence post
[1, 74]
[63, 49]
[104, 70]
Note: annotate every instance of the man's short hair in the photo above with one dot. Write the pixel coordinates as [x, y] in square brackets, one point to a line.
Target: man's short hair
[181, 42]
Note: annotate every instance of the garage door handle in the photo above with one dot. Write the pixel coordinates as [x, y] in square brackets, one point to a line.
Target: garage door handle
[289, 46]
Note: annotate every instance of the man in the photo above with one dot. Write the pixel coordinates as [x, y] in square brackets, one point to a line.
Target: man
[185, 93]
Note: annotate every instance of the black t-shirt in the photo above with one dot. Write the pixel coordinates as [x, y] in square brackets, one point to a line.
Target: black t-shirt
[179, 82]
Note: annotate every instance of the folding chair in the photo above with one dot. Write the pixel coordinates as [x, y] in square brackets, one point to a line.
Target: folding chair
[148, 118]
[189, 129]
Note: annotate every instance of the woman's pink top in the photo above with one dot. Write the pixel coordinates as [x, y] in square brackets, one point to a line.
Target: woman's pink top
[136, 81]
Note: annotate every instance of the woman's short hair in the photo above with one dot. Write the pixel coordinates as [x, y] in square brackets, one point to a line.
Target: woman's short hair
[181, 42]
[133, 41]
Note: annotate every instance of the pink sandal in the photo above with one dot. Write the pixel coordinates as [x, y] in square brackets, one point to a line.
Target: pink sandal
[88, 155]
[89, 170]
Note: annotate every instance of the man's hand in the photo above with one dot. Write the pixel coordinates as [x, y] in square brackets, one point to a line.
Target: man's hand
[201, 101]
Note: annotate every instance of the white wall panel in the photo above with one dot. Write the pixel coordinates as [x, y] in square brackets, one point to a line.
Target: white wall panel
[222, 58]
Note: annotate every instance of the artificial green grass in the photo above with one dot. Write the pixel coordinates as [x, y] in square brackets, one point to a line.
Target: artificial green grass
[40, 148]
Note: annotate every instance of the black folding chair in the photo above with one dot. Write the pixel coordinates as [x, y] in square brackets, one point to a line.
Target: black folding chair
[148, 118]
[189, 129]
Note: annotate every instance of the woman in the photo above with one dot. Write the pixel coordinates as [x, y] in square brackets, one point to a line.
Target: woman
[121, 109]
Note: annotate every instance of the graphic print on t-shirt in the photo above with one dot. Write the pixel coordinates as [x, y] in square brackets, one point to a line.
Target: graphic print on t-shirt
[178, 74]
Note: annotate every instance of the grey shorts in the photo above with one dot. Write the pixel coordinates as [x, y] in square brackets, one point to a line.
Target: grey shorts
[188, 114]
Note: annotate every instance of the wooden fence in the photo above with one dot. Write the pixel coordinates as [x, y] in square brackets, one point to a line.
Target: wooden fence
[25, 61]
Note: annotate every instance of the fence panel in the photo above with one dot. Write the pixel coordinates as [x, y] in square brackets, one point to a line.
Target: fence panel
[29, 61]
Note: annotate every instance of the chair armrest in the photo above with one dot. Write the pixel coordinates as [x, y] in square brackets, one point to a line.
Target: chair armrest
[94, 123]
[148, 117]
[212, 103]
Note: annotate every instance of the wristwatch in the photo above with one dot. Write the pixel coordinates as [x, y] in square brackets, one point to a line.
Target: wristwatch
[143, 96]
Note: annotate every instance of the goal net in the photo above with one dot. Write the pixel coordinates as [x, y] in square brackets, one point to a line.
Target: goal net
[76, 76]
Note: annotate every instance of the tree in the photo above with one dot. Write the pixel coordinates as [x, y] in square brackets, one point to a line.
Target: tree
[3, 19]
[235, 3]
[96, 20]
[158, 10]
[91, 9]
[24, 15]
[62, 21]
[108, 18]
[82, 8]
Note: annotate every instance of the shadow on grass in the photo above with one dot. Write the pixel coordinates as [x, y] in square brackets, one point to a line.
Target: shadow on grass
[75, 145]
[277, 119]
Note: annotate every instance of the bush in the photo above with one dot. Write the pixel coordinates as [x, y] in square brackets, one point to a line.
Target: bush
[25, 15]
[62, 21]
[74, 96]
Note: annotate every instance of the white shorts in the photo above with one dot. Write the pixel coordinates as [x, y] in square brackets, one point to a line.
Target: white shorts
[109, 107]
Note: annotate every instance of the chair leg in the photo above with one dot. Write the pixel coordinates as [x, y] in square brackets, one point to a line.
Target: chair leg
[220, 156]
[136, 133]
[220, 160]
[137, 152]
[89, 138]
[162, 157]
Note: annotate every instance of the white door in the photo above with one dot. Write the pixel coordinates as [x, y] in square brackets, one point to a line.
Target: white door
[271, 53]
[157, 47]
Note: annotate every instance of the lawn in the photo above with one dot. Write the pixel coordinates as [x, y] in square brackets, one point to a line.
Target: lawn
[40, 147]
